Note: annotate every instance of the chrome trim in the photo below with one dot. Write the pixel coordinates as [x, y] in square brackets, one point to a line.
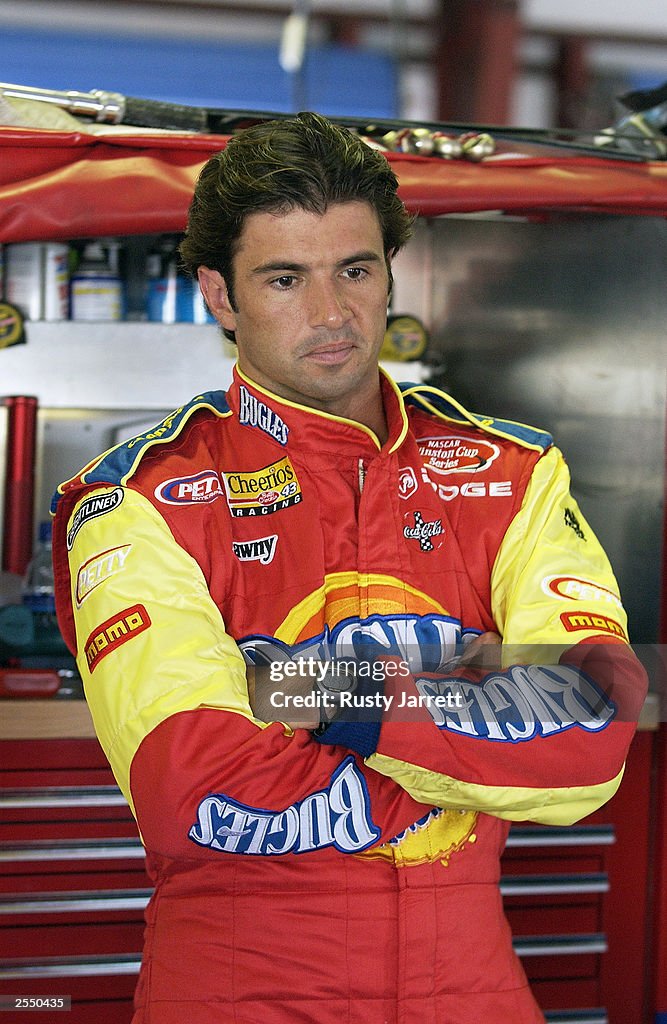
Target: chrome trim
[592, 1016]
[572, 835]
[68, 967]
[78, 849]
[75, 902]
[559, 945]
[62, 796]
[553, 885]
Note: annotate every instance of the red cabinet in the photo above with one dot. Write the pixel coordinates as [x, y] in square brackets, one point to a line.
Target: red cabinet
[73, 889]
[72, 879]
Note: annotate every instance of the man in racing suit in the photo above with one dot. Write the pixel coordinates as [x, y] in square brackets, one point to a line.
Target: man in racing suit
[341, 867]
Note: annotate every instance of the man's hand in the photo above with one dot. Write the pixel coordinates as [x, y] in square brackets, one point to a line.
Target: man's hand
[282, 701]
[479, 653]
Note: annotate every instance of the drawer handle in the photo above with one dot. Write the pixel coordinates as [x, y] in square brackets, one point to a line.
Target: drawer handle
[68, 967]
[86, 901]
[559, 945]
[63, 849]
[63, 796]
[576, 1017]
[572, 835]
[553, 885]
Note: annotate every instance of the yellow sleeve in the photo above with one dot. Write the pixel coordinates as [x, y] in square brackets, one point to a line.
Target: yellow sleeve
[135, 595]
[552, 583]
[526, 747]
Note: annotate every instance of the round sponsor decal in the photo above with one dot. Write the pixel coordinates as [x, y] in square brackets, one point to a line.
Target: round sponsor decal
[425, 528]
[268, 497]
[190, 490]
[572, 588]
[11, 325]
[458, 454]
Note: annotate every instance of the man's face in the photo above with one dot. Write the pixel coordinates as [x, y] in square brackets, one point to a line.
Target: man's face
[310, 293]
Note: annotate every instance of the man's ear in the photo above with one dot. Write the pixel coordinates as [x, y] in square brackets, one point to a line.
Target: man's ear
[216, 297]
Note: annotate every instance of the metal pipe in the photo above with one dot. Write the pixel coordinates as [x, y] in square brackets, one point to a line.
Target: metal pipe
[19, 483]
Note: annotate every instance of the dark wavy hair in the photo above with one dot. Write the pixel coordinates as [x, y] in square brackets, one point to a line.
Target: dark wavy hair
[305, 161]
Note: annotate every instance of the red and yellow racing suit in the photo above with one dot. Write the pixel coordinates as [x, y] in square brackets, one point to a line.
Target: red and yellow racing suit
[349, 877]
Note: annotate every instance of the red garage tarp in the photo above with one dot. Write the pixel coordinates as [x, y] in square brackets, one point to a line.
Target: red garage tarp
[62, 185]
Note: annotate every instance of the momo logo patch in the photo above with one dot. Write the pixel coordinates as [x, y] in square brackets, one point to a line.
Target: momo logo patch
[460, 454]
[98, 569]
[90, 508]
[263, 491]
[113, 633]
[592, 621]
[190, 490]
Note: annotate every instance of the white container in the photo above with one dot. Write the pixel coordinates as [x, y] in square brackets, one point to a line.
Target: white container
[37, 279]
[96, 290]
[55, 287]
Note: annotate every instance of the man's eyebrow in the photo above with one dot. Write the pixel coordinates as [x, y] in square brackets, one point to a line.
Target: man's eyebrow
[279, 266]
[365, 256]
[287, 266]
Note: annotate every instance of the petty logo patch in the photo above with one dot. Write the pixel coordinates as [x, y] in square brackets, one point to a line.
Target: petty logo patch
[99, 568]
[572, 588]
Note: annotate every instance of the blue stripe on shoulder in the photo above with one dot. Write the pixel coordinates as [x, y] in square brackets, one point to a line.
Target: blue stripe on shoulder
[431, 399]
[119, 463]
[520, 431]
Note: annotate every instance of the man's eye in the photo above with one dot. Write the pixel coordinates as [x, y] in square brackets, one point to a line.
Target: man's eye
[284, 281]
[355, 273]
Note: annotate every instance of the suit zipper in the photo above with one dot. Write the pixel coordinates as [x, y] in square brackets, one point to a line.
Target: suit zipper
[362, 475]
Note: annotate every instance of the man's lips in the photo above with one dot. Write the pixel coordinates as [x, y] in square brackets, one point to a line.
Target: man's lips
[333, 352]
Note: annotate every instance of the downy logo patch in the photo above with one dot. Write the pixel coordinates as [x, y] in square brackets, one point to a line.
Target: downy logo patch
[261, 550]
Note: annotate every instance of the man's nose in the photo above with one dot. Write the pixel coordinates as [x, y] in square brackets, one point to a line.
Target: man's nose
[328, 306]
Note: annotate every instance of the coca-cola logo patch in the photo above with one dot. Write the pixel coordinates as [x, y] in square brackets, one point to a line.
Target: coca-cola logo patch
[424, 528]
